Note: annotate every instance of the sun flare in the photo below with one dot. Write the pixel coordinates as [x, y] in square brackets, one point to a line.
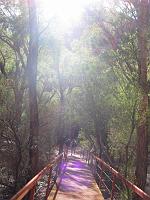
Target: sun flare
[67, 11]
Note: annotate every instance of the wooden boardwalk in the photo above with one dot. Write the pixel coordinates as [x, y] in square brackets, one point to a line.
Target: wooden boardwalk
[77, 182]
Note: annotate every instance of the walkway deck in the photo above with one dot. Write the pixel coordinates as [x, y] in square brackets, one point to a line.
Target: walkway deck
[77, 182]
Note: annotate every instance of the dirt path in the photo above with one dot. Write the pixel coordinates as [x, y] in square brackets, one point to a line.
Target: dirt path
[78, 182]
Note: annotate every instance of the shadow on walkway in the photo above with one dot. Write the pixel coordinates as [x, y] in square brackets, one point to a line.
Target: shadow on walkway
[78, 182]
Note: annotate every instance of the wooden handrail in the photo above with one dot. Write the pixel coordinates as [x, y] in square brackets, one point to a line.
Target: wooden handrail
[114, 173]
[30, 186]
[32, 183]
[129, 185]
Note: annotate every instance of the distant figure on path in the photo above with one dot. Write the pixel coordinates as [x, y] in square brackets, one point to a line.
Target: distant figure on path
[73, 146]
[66, 147]
[65, 152]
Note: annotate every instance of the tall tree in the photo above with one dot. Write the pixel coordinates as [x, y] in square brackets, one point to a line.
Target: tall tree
[143, 11]
[135, 25]
[32, 75]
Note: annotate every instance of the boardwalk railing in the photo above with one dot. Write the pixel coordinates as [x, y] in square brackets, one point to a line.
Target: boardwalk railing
[111, 180]
[51, 172]
[108, 179]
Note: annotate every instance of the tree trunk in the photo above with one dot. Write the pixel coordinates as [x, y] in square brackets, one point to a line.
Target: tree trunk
[98, 137]
[18, 93]
[101, 137]
[32, 75]
[142, 128]
[61, 128]
[61, 117]
[61, 123]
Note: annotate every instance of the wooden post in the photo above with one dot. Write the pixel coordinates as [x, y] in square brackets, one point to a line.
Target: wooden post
[101, 174]
[48, 184]
[32, 192]
[113, 188]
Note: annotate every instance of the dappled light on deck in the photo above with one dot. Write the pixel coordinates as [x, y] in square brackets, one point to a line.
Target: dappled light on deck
[77, 182]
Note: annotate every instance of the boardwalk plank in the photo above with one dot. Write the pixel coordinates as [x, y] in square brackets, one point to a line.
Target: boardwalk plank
[77, 182]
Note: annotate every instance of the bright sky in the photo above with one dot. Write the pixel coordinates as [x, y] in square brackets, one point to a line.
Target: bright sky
[67, 12]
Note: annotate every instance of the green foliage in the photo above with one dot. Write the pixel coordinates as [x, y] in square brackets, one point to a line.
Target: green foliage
[98, 82]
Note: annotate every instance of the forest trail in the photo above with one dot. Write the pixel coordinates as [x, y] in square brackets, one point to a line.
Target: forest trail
[77, 182]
